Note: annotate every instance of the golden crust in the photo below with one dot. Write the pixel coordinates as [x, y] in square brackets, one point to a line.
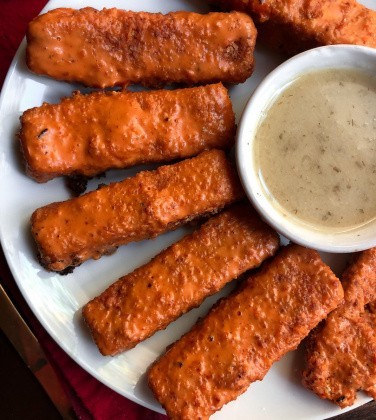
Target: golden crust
[106, 130]
[244, 334]
[116, 47]
[296, 25]
[70, 232]
[341, 354]
[179, 278]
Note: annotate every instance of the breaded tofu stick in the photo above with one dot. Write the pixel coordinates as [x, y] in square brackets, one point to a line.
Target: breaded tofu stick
[370, 313]
[359, 280]
[297, 25]
[370, 310]
[89, 134]
[244, 334]
[179, 279]
[341, 353]
[115, 47]
[341, 357]
[152, 202]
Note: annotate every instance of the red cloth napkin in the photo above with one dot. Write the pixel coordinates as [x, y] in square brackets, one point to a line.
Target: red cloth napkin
[89, 398]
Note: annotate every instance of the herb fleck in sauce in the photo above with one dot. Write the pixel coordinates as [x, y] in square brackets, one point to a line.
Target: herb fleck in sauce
[315, 149]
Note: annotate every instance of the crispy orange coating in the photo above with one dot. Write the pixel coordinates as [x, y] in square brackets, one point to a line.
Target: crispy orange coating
[359, 281]
[116, 47]
[370, 315]
[297, 25]
[244, 334]
[179, 278]
[341, 357]
[144, 206]
[341, 353]
[372, 390]
[88, 134]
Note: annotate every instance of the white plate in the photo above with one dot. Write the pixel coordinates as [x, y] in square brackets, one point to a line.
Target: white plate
[57, 300]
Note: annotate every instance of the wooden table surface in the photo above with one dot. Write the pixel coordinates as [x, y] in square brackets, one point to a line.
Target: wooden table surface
[366, 412]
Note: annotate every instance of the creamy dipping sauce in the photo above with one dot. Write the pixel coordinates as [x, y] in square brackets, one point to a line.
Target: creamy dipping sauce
[315, 149]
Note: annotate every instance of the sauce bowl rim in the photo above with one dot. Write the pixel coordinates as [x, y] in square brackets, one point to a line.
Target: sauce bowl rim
[326, 57]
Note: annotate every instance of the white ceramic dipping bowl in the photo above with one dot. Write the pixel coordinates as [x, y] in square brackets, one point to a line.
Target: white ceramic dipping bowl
[329, 57]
